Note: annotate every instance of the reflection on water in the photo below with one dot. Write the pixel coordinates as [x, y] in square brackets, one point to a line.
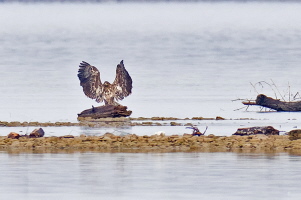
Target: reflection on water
[150, 176]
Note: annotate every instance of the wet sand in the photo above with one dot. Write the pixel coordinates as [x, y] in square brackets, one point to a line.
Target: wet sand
[155, 143]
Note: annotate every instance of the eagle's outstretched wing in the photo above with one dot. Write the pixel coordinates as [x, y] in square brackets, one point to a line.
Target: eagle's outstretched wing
[122, 84]
[89, 77]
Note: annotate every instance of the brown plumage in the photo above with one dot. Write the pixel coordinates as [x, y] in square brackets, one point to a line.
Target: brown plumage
[89, 77]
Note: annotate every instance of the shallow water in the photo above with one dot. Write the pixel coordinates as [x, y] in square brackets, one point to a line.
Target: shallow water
[150, 176]
[216, 127]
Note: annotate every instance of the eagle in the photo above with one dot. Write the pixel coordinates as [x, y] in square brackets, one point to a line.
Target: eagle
[93, 88]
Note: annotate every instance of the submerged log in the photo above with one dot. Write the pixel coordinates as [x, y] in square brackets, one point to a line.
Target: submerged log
[275, 104]
[106, 111]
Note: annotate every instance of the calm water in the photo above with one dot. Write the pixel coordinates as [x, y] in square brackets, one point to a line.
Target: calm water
[186, 59]
[150, 176]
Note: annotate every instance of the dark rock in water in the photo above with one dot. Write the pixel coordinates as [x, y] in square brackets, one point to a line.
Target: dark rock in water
[265, 130]
[13, 135]
[294, 134]
[39, 132]
[106, 111]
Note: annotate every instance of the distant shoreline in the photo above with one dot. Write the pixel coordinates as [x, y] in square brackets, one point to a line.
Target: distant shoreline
[116, 122]
[141, 1]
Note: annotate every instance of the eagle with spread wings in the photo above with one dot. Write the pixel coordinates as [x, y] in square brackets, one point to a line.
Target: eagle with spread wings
[93, 88]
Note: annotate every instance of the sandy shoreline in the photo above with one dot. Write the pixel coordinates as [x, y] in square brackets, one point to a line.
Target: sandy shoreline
[155, 143]
[147, 143]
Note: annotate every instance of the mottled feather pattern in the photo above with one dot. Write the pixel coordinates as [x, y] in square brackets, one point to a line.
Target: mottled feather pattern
[123, 82]
[89, 77]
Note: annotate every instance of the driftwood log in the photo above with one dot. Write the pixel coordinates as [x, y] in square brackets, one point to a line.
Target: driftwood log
[275, 104]
[105, 112]
[265, 130]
